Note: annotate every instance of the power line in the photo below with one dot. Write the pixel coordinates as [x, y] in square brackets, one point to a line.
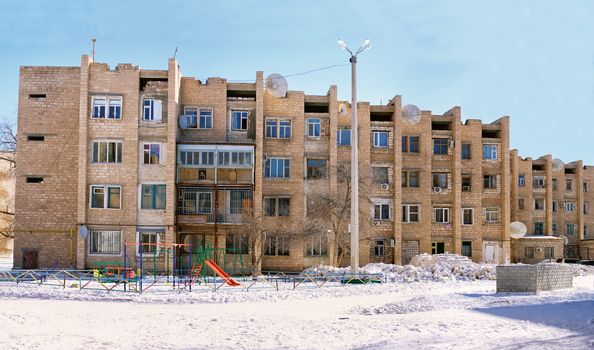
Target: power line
[295, 74]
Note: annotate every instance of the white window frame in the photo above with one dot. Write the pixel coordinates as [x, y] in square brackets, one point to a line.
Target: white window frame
[311, 127]
[586, 208]
[159, 233]
[572, 231]
[537, 200]
[318, 240]
[105, 188]
[569, 207]
[445, 214]
[538, 182]
[286, 170]
[90, 240]
[150, 152]
[155, 110]
[489, 213]
[377, 139]
[279, 128]
[242, 117]
[118, 145]
[107, 106]
[406, 213]
[381, 203]
[471, 216]
[521, 180]
[489, 151]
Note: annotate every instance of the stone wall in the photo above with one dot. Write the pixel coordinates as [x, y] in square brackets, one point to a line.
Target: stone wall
[533, 278]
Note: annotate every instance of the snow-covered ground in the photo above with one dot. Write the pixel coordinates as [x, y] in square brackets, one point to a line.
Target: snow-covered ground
[419, 315]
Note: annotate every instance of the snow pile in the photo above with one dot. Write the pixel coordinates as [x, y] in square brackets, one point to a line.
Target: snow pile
[424, 267]
[581, 270]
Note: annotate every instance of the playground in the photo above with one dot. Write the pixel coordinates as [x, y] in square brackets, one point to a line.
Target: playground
[160, 267]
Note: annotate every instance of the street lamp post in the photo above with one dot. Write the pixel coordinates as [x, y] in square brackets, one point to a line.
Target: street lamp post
[354, 155]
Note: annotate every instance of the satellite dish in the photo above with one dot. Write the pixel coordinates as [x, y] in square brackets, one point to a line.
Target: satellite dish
[565, 239]
[411, 114]
[342, 109]
[517, 229]
[276, 85]
[83, 231]
[558, 164]
[184, 121]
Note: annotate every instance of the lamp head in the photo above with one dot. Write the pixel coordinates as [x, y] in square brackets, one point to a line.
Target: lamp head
[366, 45]
[342, 44]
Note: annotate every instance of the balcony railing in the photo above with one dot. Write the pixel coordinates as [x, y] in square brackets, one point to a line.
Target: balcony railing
[198, 205]
[187, 174]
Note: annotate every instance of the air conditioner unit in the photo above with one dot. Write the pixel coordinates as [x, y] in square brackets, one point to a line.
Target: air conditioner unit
[436, 189]
[452, 143]
[377, 222]
[466, 188]
[539, 250]
[385, 186]
[562, 205]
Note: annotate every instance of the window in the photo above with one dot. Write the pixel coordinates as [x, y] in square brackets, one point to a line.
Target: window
[410, 178]
[585, 186]
[466, 183]
[554, 227]
[554, 184]
[34, 179]
[586, 235]
[490, 182]
[411, 213]
[440, 180]
[437, 247]
[107, 107]
[343, 137]
[489, 152]
[105, 242]
[280, 206]
[413, 144]
[549, 252]
[467, 248]
[529, 252]
[316, 168]
[539, 228]
[380, 139]
[569, 185]
[205, 119]
[521, 180]
[106, 197]
[278, 128]
[491, 214]
[151, 110]
[314, 127]
[586, 207]
[539, 204]
[467, 216]
[106, 152]
[442, 215]
[277, 245]
[199, 118]
[316, 246]
[192, 121]
[239, 120]
[466, 151]
[152, 153]
[230, 158]
[153, 197]
[150, 241]
[35, 138]
[381, 211]
[570, 229]
[538, 182]
[277, 168]
[204, 157]
[440, 146]
[521, 204]
[569, 206]
[204, 202]
[380, 174]
[555, 206]
[379, 247]
[404, 144]
[236, 244]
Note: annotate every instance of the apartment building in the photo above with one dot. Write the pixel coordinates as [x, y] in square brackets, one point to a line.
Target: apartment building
[552, 199]
[113, 157]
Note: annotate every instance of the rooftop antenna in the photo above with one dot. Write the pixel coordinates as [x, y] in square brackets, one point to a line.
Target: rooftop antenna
[93, 51]
[175, 53]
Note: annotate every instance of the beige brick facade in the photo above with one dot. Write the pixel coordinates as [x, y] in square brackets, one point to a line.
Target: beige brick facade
[425, 181]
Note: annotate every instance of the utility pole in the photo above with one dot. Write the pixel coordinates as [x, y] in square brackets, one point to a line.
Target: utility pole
[354, 155]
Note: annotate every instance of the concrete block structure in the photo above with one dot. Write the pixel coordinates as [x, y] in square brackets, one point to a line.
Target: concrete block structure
[151, 156]
[533, 278]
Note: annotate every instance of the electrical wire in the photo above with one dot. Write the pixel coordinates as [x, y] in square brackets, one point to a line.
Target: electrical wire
[295, 74]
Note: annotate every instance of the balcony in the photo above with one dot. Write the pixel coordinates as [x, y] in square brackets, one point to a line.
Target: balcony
[215, 164]
[224, 176]
[201, 205]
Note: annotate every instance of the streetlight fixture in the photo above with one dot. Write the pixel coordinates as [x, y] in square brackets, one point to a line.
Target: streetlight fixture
[366, 45]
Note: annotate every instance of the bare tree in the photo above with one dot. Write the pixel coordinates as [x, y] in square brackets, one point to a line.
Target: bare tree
[8, 144]
[330, 212]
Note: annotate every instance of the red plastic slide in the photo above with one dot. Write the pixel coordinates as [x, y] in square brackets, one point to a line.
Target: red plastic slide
[219, 271]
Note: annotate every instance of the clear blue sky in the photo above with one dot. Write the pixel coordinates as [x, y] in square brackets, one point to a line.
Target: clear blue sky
[531, 60]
